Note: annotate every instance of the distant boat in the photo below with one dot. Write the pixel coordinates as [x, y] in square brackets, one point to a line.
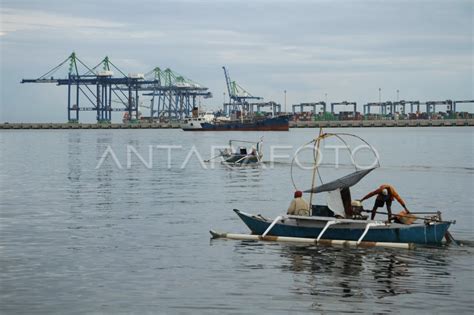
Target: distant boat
[243, 155]
[195, 122]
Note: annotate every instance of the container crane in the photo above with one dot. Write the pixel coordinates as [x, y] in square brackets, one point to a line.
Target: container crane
[97, 85]
[311, 105]
[460, 102]
[431, 105]
[345, 103]
[238, 96]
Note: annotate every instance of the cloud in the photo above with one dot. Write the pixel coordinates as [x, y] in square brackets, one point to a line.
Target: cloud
[14, 20]
[347, 49]
[17, 20]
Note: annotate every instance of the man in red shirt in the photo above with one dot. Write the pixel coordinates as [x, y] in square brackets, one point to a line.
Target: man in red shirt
[385, 195]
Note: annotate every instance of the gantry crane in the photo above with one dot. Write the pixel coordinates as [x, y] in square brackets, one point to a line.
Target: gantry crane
[313, 105]
[98, 86]
[345, 103]
[238, 96]
[391, 106]
[460, 102]
[175, 94]
[431, 105]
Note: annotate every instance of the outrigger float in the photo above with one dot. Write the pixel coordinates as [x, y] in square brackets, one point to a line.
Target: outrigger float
[338, 223]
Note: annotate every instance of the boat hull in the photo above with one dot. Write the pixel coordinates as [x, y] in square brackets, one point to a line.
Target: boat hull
[241, 159]
[421, 233]
[268, 124]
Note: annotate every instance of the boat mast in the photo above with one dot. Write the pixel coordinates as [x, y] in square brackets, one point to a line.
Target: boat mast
[318, 142]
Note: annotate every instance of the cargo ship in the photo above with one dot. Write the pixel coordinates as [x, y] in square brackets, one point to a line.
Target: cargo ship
[280, 123]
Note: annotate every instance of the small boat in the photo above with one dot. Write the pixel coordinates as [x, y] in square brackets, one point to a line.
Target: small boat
[243, 155]
[340, 221]
[431, 231]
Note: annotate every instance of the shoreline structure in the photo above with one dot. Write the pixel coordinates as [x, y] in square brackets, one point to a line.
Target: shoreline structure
[293, 124]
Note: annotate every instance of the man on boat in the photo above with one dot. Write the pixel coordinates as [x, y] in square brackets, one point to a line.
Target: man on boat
[385, 195]
[298, 205]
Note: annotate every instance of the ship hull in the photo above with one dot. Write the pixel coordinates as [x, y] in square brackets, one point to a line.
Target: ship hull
[270, 124]
[394, 233]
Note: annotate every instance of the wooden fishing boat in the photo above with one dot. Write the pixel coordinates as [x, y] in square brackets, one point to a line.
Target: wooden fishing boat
[317, 227]
[340, 220]
[242, 155]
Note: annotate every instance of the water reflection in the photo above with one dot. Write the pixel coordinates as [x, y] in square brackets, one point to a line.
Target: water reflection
[364, 273]
[104, 175]
[352, 273]
[389, 274]
[74, 171]
[74, 154]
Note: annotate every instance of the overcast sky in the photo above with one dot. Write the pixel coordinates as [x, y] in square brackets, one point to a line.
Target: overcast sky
[345, 49]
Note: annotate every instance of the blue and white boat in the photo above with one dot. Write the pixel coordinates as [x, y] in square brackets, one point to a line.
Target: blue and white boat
[316, 227]
[243, 155]
[340, 221]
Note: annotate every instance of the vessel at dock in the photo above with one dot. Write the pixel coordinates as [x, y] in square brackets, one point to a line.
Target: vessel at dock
[254, 124]
[194, 122]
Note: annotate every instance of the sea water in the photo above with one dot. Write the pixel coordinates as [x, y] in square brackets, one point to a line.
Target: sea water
[117, 221]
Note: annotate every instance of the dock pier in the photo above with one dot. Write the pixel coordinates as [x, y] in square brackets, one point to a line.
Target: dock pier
[383, 123]
[293, 124]
[143, 125]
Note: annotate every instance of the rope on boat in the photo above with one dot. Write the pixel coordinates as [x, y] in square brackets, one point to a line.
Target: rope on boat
[322, 136]
[318, 142]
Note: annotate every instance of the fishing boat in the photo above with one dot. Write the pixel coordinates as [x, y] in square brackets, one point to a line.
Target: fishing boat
[243, 155]
[341, 222]
[332, 221]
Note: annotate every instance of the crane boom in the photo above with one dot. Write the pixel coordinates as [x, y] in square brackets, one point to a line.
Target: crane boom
[228, 82]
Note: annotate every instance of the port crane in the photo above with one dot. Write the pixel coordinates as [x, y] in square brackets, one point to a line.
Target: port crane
[173, 94]
[345, 103]
[431, 105]
[451, 105]
[238, 96]
[460, 102]
[97, 85]
[392, 106]
[313, 105]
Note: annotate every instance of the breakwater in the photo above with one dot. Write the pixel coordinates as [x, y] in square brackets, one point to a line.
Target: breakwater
[293, 124]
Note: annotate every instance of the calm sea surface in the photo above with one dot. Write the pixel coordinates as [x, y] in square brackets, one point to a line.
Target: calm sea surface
[134, 238]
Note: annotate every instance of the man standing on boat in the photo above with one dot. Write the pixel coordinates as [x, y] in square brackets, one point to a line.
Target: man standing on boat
[385, 195]
[298, 205]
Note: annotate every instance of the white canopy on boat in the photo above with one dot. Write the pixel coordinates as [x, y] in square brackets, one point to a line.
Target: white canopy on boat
[335, 203]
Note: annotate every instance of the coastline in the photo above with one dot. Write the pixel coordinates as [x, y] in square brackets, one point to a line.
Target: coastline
[293, 124]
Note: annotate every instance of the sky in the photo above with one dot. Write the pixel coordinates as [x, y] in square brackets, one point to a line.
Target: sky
[315, 50]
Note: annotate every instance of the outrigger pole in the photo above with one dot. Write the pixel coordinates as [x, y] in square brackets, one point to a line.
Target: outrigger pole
[243, 141]
[310, 241]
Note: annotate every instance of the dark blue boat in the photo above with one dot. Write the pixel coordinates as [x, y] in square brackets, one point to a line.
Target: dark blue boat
[351, 230]
[280, 123]
[343, 219]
